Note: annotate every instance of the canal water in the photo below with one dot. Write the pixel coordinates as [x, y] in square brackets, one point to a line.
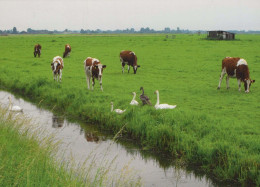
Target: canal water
[81, 140]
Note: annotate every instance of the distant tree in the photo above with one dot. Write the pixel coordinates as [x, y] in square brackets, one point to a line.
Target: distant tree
[82, 31]
[14, 31]
[178, 30]
[29, 30]
[167, 30]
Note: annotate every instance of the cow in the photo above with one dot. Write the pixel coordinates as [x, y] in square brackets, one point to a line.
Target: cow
[67, 50]
[37, 50]
[236, 68]
[93, 69]
[129, 58]
[57, 66]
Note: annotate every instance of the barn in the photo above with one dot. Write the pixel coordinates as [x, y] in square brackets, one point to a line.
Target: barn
[220, 35]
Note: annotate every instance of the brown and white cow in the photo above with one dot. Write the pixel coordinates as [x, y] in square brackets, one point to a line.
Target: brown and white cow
[129, 58]
[236, 68]
[57, 66]
[37, 50]
[93, 69]
[67, 50]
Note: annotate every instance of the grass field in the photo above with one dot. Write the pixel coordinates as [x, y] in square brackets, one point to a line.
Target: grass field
[215, 130]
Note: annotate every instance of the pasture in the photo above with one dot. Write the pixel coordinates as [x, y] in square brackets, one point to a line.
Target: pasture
[215, 130]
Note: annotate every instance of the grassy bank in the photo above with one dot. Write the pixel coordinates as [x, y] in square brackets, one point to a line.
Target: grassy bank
[215, 130]
[26, 162]
[30, 158]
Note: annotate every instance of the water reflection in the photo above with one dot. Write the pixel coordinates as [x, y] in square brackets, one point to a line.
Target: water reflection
[57, 121]
[91, 137]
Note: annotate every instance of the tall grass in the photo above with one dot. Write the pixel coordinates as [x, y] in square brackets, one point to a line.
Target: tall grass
[215, 130]
[29, 158]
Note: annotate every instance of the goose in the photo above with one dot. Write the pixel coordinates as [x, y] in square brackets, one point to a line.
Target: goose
[145, 99]
[118, 111]
[134, 102]
[14, 108]
[162, 106]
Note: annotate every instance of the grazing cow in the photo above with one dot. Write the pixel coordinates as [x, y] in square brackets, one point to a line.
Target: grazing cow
[37, 50]
[236, 68]
[129, 58]
[57, 66]
[94, 70]
[67, 51]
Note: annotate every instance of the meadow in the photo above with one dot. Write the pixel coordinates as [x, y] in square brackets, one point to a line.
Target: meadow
[217, 131]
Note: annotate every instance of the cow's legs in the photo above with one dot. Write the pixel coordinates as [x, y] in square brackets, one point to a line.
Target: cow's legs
[227, 82]
[239, 84]
[88, 81]
[123, 67]
[54, 76]
[93, 83]
[100, 82]
[221, 77]
[128, 68]
[60, 75]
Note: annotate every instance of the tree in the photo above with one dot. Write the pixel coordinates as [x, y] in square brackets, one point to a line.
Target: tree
[15, 31]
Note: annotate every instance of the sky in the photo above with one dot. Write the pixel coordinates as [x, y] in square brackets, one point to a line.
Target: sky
[123, 14]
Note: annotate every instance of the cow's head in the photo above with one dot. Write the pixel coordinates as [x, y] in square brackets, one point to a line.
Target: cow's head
[55, 66]
[135, 68]
[98, 69]
[247, 84]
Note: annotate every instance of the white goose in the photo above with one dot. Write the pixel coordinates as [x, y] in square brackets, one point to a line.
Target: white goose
[118, 111]
[14, 108]
[134, 102]
[162, 106]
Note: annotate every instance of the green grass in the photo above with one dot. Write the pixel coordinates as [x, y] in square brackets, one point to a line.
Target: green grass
[215, 130]
[26, 162]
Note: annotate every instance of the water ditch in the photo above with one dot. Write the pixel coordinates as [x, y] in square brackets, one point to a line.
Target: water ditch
[80, 140]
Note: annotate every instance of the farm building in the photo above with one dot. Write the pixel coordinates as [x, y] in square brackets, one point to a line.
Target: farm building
[221, 35]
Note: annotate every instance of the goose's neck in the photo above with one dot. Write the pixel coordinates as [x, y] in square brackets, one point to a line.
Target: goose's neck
[134, 96]
[111, 107]
[143, 91]
[157, 102]
[10, 103]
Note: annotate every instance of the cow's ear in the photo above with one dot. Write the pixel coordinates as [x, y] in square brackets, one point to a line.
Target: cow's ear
[51, 63]
[104, 66]
[138, 66]
[252, 81]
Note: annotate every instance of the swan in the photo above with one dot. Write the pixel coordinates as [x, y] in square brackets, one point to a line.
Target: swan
[14, 108]
[162, 106]
[145, 99]
[118, 111]
[134, 102]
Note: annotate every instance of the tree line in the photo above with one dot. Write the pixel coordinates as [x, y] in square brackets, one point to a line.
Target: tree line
[118, 31]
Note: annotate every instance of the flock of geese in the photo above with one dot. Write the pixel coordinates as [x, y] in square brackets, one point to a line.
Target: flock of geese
[146, 101]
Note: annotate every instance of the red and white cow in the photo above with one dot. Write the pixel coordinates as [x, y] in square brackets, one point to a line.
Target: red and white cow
[37, 50]
[236, 68]
[67, 50]
[93, 70]
[57, 66]
[129, 58]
